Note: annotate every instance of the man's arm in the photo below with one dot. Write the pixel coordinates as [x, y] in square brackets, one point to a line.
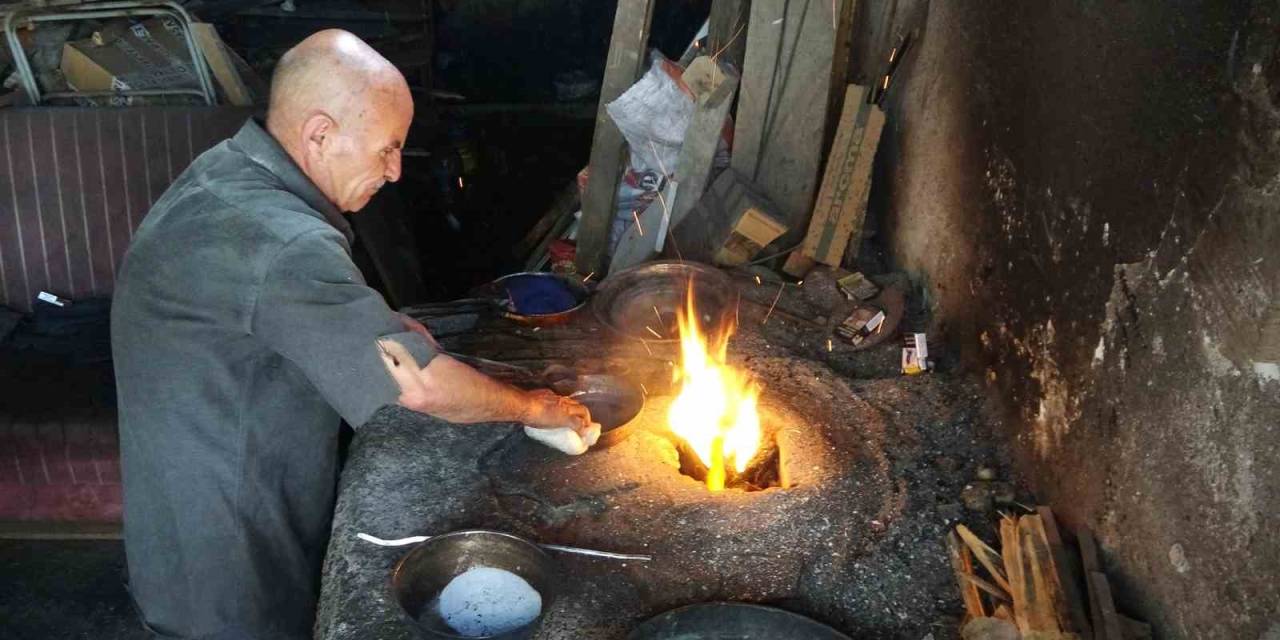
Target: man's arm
[453, 391]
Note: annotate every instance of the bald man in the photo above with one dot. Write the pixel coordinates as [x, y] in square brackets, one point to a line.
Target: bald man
[242, 332]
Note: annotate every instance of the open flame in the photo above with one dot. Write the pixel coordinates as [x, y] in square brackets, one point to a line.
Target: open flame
[715, 411]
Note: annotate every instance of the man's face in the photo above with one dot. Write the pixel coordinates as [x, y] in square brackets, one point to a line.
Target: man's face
[363, 153]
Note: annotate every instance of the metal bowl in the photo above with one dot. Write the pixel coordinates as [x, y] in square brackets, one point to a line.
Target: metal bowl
[732, 621]
[498, 291]
[425, 571]
[641, 302]
[614, 403]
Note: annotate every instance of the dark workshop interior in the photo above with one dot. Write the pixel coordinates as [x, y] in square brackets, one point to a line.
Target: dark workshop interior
[902, 319]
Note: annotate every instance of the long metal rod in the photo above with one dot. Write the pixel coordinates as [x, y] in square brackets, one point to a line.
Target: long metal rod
[401, 542]
[109, 10]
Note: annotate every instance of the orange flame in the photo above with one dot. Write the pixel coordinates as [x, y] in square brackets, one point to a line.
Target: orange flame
[715, 411]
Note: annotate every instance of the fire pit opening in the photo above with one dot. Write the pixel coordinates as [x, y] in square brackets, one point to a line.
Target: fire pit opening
[762, 472]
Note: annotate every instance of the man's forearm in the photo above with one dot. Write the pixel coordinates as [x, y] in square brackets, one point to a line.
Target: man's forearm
[455, 392]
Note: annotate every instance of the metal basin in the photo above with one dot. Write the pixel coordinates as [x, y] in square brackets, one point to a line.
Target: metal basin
[732, 621]
[423, 573]
[614, 403]
[641, 302]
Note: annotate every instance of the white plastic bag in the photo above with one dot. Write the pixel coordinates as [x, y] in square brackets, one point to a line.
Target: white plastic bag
[653, 115]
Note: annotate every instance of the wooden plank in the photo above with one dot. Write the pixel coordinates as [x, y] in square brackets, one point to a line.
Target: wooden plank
[841, 66]
[625, 64]
[841, 208]
[962, 565]
[221, 65]
[782, 113]
[1068, 582]
[693, 171]
[1088, 551]
[1013, 565]
[1090, 563]
[1043, 612]
[987, 557]
[1106, 624]
[727, 30]
[992, 590]
[1134, 629]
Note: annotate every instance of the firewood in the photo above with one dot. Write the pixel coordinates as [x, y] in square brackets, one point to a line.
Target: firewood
[1106, 624]
[1040, 585]
[962, 564]
[1068, 582]
[987, 557]
[991, 589]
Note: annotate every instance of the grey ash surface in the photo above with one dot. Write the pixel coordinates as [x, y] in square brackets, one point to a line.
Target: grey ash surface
[879, 464]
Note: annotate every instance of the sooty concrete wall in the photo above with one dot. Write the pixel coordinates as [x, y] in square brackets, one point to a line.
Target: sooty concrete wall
[1090, 194]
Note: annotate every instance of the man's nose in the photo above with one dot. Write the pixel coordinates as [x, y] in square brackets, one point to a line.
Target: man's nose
[392, 172]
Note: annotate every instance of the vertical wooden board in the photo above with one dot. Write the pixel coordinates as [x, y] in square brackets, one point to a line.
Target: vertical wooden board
[841, 61]
[1068, 582]
[1106, 621]
[727, 30]
[1088, 551]
[625, 64]
[841, 207]
[782, 112]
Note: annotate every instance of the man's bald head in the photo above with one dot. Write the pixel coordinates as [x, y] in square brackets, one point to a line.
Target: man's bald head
[341, 111]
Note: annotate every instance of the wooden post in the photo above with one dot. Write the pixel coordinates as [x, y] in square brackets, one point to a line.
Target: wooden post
[782, 113]
[626, 62]
[727, 30]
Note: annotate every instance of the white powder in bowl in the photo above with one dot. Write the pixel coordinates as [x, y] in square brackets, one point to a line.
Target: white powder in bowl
[484, 601]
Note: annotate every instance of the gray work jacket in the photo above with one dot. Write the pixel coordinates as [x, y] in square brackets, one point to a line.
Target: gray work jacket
[241, 332]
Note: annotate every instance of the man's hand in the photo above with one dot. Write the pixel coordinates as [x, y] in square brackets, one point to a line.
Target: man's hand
[550, 410]
[560, 423]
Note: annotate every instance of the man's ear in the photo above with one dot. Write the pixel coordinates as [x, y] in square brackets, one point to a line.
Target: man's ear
[316, 133]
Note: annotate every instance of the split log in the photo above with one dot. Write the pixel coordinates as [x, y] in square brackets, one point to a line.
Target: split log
[1035, 593]
[987, 557]
[962, 565]
[1068, 581]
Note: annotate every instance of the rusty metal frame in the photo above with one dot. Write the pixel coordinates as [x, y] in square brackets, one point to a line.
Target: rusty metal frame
[106, 10]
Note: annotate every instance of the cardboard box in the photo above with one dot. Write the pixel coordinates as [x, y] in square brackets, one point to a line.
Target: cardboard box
[148, 55]
[732, 221]
[753, 231]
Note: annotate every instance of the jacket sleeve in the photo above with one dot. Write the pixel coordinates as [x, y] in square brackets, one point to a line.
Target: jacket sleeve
[315, 310]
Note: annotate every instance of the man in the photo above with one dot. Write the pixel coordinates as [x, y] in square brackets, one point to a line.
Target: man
[242, 332]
